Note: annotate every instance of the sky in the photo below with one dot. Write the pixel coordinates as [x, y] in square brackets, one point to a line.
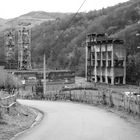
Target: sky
[14, 8]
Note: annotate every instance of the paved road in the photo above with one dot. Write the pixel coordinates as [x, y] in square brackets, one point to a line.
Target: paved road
[71, 121]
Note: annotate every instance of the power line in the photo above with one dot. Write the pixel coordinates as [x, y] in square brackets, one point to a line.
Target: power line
[71, 20]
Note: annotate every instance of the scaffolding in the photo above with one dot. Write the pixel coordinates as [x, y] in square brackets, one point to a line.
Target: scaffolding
[24, 47]
[9, 45]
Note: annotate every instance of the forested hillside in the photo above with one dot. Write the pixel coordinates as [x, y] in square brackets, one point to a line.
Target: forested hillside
[63, 39]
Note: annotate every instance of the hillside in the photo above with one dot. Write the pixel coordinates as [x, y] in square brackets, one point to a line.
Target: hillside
[63, 39]
[35, 18]
[43, 15]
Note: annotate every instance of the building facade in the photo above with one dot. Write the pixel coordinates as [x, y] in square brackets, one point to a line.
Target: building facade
[105, 59]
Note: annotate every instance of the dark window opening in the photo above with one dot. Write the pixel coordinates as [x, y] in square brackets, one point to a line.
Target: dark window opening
[104, 55]
[98, 78]
[118, 63]
[104, 63]
[109, 63]
[109, 55]
[109, 80]
[98, 55]
[98, 63]
[103, 79]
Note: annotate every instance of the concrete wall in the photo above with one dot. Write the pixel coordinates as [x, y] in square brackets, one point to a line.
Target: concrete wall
[119, 50]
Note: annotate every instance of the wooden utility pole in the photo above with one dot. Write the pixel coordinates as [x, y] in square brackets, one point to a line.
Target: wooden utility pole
[86, 51]
[44, 76]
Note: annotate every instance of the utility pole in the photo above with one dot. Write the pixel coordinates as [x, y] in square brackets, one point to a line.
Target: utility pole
[86, 50]
[44, 76]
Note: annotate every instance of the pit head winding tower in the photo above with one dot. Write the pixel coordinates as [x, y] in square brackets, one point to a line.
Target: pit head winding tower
[24, 48]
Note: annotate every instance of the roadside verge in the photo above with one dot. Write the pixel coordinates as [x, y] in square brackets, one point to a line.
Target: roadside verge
[21, 119]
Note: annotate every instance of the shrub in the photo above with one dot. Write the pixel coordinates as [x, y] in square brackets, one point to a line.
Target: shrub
[8, 81]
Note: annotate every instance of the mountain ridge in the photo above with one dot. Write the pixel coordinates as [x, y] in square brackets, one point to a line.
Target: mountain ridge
[34, 17]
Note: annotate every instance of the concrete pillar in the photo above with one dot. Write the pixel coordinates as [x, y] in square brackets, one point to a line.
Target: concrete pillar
[112, 64]
[124, 80]
[106, 58]
[112, 58]
[101, 79]
[101, 58]
[106, 70]
[119, 80]
[106, 79]
[101, 55]
[95, 70]
[112, 80]
[124, 64]
[95, 78]
[86, 50]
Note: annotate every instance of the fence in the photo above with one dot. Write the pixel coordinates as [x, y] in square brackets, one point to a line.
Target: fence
[7, 103]
[92, 95]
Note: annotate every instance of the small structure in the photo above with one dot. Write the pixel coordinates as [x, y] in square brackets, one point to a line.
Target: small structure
[105, 59]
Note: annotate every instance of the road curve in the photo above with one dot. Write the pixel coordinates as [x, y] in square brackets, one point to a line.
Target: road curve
[71, 121]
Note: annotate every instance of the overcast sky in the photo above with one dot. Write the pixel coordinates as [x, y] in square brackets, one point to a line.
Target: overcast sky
[14, 8]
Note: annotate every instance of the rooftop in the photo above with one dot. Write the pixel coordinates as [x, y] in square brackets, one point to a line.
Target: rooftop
[102, 39]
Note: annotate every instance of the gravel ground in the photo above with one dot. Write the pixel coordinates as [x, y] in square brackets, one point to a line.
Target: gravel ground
[20, 118]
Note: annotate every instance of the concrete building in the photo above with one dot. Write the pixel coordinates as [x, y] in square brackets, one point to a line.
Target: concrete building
[105, 59]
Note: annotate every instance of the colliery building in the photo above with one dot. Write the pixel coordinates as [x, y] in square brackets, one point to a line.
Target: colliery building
[105, 59]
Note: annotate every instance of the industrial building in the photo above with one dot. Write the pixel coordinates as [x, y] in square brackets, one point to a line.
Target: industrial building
[105, 59]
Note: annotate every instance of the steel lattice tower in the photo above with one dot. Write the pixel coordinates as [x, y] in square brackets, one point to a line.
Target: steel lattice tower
[9, 44]
[24, 48]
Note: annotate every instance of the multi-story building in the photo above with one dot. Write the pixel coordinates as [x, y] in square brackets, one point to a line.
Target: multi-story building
[105, 59]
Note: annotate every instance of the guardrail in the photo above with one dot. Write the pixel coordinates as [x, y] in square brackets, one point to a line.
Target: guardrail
[7, 102]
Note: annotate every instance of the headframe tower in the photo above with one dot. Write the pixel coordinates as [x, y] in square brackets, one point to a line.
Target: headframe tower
[9, 44]
[24, 47]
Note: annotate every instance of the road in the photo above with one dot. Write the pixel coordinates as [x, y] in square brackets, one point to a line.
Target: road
[73, 121]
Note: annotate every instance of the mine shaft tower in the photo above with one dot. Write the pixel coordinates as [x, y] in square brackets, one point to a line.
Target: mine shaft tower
[9, 44]
[24, 48]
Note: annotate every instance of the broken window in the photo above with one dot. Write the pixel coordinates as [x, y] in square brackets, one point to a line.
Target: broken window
[118, 63]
